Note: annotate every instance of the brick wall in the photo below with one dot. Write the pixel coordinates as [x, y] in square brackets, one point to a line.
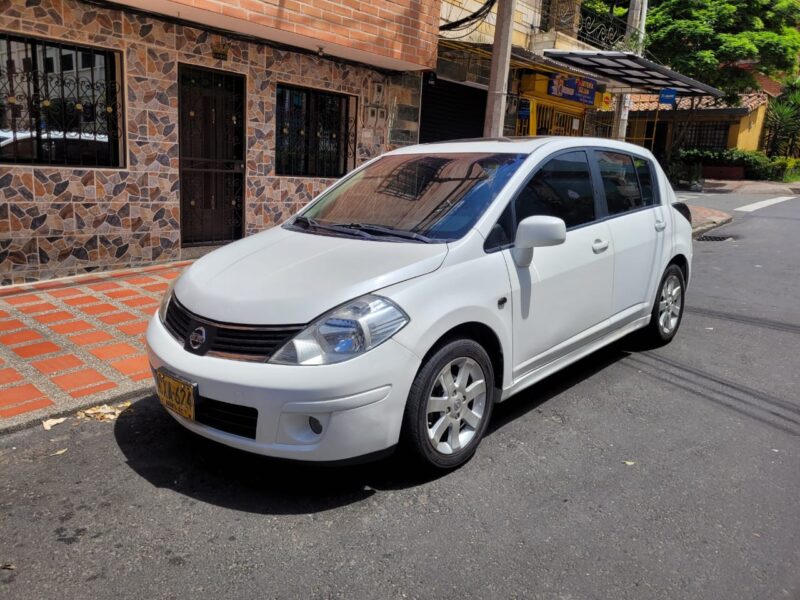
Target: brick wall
[401, 29]
[60, 221]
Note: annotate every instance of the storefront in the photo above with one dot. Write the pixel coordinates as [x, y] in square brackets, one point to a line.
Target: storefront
[558, 103]
[545, 97]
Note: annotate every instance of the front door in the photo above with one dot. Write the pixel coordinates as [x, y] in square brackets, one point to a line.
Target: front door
[566, 291]
[212, 147]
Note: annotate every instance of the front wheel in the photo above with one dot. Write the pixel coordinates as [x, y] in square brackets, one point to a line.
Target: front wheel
[449, 405]
[668, 308]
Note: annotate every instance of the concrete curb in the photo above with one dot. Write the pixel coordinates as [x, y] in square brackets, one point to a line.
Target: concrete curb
[706, 227]
[73, 410]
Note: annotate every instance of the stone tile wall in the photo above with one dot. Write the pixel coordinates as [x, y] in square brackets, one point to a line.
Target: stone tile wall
[57, 221]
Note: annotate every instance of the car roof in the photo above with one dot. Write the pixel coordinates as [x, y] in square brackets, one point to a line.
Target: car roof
[516, 145]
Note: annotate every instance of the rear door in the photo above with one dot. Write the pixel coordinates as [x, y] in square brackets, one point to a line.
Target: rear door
[637, 225]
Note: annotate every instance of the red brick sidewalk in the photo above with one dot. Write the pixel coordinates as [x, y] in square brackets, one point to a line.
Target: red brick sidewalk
[704, 219]
[75, 342]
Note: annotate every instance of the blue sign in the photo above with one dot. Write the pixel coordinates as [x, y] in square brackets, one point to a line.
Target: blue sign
[577, 89]
[667, 96]
[524, 111]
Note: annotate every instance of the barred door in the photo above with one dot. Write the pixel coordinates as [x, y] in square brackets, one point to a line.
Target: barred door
[212, 147]
[599, 124]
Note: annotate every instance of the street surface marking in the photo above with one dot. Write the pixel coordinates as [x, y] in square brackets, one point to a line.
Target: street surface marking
[764, 203]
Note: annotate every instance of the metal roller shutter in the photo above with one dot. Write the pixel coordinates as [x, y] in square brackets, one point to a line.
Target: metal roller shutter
[451, 111]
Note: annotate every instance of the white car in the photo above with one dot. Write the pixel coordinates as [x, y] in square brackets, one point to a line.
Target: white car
[406, 300]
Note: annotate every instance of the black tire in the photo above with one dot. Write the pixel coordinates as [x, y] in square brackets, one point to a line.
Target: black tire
[654, 334]
[415, 433]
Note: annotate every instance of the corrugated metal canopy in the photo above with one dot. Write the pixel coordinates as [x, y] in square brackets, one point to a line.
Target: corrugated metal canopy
[632, 70]
[520, 58]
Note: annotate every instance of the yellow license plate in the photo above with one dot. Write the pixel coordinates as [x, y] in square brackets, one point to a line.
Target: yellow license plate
[176, 394]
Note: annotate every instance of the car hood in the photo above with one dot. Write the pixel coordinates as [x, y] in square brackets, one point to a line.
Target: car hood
[287, 277]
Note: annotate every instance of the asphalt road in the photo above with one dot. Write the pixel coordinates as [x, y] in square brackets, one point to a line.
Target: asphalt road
[548, 508]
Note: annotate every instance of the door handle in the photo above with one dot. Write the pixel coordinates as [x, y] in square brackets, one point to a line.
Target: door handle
[599, 246]
[661, 224]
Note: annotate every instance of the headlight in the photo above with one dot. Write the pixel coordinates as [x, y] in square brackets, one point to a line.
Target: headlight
[343, 333]
[162, 308]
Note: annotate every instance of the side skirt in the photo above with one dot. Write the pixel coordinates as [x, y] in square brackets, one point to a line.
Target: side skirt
[536, 375]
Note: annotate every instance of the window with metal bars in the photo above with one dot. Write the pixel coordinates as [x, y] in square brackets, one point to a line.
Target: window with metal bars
[710, 135]
[314, 133]
[60, 104]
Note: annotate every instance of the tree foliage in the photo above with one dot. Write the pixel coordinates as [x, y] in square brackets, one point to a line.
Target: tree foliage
[720, 42]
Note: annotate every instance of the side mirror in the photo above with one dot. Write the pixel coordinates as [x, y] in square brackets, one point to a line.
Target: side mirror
[537, 232]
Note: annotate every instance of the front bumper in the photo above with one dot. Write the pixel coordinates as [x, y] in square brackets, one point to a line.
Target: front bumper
[359, 402]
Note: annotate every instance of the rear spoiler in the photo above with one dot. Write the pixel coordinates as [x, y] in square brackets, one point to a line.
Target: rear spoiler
[684, 210]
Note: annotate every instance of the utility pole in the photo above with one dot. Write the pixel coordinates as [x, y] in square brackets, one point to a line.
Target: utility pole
[637, 13]
[501, 61]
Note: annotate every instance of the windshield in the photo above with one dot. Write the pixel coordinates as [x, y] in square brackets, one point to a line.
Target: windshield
[413, 197]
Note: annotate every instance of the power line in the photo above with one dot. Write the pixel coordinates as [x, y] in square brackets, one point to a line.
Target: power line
[478, 15]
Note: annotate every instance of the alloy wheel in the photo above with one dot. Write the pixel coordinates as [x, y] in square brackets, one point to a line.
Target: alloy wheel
[456, 405]
[670, 303]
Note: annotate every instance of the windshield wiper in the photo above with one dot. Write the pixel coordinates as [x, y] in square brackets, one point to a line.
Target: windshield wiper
[308, 223]
[388, 231]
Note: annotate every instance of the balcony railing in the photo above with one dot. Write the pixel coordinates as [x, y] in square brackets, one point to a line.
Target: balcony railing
[601, 30]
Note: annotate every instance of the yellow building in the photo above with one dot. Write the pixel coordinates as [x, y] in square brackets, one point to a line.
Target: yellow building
[713, 125]
[560, 103]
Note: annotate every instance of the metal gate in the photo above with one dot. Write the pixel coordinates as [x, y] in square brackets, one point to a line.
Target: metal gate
[599, 123]
[212, 148]
[550, 121]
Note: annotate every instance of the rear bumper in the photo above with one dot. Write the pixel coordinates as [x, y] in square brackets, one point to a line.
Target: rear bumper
[359, 402]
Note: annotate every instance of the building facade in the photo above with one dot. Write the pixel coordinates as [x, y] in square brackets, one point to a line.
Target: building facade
[710, 125]
[545, 97]
[129, 134]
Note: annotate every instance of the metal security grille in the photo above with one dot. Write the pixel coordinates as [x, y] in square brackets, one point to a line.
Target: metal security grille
[598, 123]
[550, 121]
[712, 135]
[212, 147]
[60, 104]
[315, 133]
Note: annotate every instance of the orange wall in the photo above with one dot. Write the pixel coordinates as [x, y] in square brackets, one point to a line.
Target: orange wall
[405, 30]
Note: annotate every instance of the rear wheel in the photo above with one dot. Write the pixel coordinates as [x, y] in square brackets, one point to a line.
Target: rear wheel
[449, 405]
[668, 308]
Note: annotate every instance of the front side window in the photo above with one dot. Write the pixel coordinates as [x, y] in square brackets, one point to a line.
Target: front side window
[620, 182]
[413, 196]
[60, 104]
[313, 129]
[561, 188]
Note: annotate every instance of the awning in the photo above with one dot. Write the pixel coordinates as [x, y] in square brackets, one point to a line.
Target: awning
[632, 70]
[520, 58]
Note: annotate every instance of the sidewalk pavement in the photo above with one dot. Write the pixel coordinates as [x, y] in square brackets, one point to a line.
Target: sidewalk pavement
[76, 342]
[704, 219]
[721, 186]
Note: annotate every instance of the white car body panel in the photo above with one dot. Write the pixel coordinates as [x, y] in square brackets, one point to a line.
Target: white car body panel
[568, 303]
[565, 292]
[282, 276]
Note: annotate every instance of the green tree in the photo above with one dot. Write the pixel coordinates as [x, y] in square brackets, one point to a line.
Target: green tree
[719, 42]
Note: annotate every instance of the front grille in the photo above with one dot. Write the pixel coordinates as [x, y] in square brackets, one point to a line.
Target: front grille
[230, 418]
[242, 342]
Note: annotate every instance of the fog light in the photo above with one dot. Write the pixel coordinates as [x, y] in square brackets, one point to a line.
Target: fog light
[315, 425]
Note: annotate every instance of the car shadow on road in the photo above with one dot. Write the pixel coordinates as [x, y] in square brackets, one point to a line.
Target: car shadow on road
[168, 456]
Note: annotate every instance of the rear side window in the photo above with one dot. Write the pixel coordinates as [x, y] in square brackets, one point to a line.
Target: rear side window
[620, 182]
[561, 188]
[645, 172]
